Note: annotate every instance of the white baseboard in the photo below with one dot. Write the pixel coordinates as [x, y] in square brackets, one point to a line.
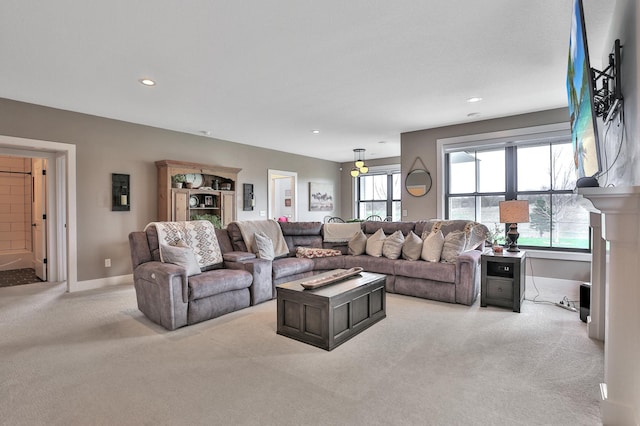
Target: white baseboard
[101, 283]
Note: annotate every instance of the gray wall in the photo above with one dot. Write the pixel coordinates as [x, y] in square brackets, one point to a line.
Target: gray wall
[105, 146]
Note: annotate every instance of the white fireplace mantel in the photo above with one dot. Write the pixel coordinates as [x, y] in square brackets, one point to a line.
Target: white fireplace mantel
[620, 209]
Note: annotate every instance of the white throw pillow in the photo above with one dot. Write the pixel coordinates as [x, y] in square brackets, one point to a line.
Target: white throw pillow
[264, 246]
[392, 247]
[358, 244]
[375, 243]
[412, 247]
[454, 244]
[181, 256]
[432, 247]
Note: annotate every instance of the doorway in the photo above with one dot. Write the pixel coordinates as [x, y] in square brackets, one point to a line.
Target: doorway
[22, 220]
[58, 240]
[283, 195]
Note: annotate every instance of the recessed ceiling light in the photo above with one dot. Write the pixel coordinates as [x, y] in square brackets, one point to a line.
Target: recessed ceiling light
[147, 82]
[315, 131]
[474, 99]
[473, 114]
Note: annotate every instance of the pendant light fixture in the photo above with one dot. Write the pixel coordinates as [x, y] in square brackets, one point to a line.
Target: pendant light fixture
[360, 167]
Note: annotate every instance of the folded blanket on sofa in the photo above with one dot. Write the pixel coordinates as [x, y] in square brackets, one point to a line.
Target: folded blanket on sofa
[340, 232]
[270, 228]
[200, 235]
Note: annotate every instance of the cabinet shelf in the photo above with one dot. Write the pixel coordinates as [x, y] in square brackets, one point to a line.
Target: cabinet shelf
[173, 203]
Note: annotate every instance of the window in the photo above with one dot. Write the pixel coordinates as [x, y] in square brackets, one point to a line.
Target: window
[542, 172]
[379, 194]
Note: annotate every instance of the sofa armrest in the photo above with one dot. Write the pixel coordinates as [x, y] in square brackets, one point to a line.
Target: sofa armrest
[238, 256]
[262, 288]
[162, 293]
[468, 277]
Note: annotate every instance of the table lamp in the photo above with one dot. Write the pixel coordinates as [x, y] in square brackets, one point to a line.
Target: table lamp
[514, 212]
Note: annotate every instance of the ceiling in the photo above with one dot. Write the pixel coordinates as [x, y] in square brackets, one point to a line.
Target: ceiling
[267, 73]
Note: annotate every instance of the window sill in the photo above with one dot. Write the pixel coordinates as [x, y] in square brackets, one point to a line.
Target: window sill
[558, 255]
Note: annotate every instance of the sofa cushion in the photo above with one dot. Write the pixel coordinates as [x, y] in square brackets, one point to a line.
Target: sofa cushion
[357, 244]
[392, 246]
[435, 271]
[412, 247]
[288, 266]
[454, 244]
[182, 256]
[379, 265]
[218, 281]
[375, 243]
[432, 247]
[329, 263]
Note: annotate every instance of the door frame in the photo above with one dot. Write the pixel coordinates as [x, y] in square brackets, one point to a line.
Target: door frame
[62, 261]
[280, 174]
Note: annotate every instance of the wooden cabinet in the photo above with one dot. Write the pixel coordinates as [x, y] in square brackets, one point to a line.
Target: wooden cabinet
[212, 192]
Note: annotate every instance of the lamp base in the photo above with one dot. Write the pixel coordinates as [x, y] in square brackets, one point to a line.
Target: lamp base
[512, 241]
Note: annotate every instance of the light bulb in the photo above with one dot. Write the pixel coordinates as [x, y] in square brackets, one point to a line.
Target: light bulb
[359, 164]
[355, 172]
[364, 169]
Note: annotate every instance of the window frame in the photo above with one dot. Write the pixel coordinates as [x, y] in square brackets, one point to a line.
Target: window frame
[510, 141]
[389, 173]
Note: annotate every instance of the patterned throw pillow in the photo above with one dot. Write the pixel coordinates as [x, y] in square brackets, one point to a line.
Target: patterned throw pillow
[412, 247]
[375, 243]
[432, 247]
[311, 253]
[358, 244]
[264, 246]
[454, 244]
[181, 255]
[392, 246]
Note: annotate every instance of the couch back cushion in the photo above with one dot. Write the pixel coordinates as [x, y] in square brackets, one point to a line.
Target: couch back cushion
[302, 234]
[139, 247]
[371, 227]
[235, 237]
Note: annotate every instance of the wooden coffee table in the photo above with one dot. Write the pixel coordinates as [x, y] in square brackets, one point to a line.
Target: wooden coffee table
[329, 316]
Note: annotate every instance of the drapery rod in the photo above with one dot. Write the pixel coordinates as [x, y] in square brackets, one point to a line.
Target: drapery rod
[17, 173]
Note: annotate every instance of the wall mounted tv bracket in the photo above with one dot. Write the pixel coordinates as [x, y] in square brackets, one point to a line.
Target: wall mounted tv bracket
[608, 98]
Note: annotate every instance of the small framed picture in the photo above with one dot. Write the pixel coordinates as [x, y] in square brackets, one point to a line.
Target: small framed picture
[208, 200]
[287, 202]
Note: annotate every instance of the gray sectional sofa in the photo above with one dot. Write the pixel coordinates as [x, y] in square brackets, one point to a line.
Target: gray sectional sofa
[167, 296]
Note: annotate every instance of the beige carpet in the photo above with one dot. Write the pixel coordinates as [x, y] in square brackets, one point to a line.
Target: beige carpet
[91, 358]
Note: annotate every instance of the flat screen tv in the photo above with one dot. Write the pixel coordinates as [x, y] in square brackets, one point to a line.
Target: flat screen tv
[582, 112]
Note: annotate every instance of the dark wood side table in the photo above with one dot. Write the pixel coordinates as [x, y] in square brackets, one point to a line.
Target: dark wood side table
[503, 279]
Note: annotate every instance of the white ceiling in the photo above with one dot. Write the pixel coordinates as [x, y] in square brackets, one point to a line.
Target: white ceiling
[268, 72]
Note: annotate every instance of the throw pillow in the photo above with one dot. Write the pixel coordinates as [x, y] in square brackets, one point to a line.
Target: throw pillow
[454, 244]
[375, 243]
[432, 247]
[476, 234]
[264, 246]
[412, 247]
[181, 256]
[358, 244]
[312, 253]
[392, 246]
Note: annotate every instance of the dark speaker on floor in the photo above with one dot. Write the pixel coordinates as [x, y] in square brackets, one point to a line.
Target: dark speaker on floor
[585, 301]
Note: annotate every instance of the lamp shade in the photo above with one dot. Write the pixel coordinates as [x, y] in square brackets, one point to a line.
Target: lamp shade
[514, 211]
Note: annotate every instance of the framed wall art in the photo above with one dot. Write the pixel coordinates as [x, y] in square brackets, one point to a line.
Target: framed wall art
[320, 197]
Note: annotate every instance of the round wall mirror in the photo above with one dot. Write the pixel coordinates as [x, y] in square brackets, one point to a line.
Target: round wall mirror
[418, 182]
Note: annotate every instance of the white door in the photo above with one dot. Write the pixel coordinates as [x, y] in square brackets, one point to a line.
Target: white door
[39, 223]
[282, 195]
